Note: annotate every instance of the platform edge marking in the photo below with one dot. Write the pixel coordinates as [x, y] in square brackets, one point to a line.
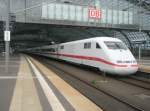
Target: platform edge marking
[53, 100]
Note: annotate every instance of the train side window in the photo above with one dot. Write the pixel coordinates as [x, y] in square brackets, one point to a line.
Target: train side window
[98, 46]
[62, 47]
[87, 45]
[53, 50]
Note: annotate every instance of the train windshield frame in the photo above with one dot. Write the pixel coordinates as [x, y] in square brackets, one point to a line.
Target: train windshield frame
[114, 45]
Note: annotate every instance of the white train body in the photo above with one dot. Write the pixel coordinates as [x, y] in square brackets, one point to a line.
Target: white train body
[108, 54]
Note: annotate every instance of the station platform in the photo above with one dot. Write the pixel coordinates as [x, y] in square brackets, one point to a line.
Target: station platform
[144, 65]
[27, 85]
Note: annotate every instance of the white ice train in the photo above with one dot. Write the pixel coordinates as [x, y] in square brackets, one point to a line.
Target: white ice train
[107, 54]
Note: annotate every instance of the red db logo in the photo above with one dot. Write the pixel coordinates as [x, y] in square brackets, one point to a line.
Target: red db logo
[94, 13]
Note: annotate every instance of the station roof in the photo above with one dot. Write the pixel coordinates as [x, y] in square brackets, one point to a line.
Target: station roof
[32, 34]
[144, 3]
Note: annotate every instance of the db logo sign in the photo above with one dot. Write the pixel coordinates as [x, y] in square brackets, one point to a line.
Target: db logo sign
[94, 13]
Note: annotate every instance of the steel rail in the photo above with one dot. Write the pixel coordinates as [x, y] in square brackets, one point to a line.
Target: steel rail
[137, 84]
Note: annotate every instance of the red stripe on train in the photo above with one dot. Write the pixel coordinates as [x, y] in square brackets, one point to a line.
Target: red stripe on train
[92, 58]
[134, 65]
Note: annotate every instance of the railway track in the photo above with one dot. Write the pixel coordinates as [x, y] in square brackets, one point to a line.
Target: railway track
[144, 75]
[135, 82]
[140, 78]
[121, 100]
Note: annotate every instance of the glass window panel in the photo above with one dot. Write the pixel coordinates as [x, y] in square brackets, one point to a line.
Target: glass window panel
[98, 46]
[97, 3]
[85, 14]
[44, 11]
[115, 17]
[58, 11]
[103, 16]
[125, 17]
[130, 17]
[72, 12]
[65, 11]
[120, 17]
[109, 17]
[115, 45]
[51, 11]
[79, 13]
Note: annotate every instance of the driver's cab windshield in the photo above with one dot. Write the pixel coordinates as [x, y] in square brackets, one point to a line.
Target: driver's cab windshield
[115, 45]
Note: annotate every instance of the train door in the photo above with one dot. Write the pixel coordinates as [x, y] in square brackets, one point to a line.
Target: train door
[87, 53]
[57, 51]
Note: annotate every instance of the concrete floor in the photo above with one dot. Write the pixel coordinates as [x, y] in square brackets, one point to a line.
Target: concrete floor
[24, 88]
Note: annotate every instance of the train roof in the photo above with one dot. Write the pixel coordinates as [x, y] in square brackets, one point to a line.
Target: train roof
[93, 39]
[79, 41]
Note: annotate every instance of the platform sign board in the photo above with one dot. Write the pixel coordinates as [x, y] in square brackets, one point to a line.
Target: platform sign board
[6, 35]
[94, 13]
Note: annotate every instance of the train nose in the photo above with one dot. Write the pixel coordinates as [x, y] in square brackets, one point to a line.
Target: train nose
[126, 70]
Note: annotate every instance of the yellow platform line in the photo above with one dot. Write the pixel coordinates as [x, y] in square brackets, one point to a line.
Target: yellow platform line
[53, 100]
[144, 68]
[75, 98]
[25, 97]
